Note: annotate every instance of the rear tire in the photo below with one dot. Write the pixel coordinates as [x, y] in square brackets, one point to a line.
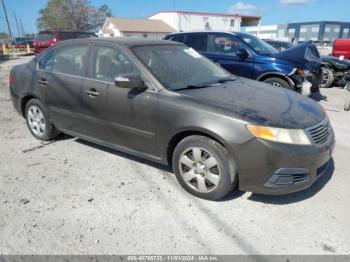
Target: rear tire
[278, 82]
[204, 168]
[38, 121]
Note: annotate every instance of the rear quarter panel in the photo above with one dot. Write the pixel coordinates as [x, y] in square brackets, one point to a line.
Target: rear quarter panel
[24, 82]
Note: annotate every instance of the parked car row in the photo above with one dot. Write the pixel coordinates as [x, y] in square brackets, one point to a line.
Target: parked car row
[335, 69]
[165, 102]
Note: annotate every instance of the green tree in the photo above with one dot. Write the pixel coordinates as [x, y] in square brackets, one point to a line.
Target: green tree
[72, 15]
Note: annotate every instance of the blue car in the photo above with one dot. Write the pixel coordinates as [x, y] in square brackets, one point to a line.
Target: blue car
[297, 68]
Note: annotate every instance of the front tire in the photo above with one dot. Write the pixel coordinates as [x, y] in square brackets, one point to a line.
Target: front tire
[204, 168]
[327, 78]
[278, 82]
[38, 121]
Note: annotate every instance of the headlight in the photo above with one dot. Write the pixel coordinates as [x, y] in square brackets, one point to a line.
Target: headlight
[280, 135]
[301, 72]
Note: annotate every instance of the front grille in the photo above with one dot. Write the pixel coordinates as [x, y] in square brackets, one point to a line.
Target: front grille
[319, 133]
[300, 178]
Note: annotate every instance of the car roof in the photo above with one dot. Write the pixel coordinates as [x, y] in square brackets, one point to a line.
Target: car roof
[126, 41]
[239, 34]
[63, 31]
[204, 32]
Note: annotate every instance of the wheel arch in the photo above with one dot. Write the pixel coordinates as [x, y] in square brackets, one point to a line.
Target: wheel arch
[182, 134]
[282, 76]
[24, 100]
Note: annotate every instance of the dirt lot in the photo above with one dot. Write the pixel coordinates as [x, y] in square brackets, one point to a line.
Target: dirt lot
[72, 197]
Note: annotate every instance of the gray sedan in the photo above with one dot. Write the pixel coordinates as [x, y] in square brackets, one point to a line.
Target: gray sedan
[165, 102]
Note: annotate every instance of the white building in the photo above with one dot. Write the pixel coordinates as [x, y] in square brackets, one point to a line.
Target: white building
[197, 21]
[277, 32]
[140, 28]
[317, 31]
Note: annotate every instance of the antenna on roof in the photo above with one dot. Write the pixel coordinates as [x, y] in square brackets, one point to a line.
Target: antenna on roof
[18, 31]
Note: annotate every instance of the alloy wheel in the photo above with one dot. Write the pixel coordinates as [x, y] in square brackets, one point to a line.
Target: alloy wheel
[276, 84]
[36, 120]
[200, 169]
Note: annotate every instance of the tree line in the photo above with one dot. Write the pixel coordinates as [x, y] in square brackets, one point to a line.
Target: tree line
[78, 15]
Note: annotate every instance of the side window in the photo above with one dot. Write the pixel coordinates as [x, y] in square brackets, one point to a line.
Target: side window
[178, 38]
[109, 63]
[197, 41]
[70, 60]
[45, 63]
[226, 45]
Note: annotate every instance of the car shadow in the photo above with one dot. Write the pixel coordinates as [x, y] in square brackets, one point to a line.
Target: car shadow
[63, 137]
[235, 193]
[318, 97]
[298, 196]
[125, 155]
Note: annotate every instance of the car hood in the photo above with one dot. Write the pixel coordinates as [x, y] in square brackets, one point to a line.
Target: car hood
[259, 103]
[304, 55]
[335, 60]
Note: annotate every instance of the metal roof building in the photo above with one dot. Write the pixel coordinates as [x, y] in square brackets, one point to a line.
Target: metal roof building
[199, 21]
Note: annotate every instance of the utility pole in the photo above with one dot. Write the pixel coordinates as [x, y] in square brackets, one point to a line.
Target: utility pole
[7, 19]
[19, 33]
[21, 26]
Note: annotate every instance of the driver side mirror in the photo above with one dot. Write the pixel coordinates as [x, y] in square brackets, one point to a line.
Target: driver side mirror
[130, 81]
[242, 53]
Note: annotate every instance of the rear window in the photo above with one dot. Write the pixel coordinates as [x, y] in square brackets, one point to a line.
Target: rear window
[177, 38]
[45, 37]
[70, 60]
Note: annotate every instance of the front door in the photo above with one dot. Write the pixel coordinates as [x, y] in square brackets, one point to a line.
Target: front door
[121, 116]
[222, 50]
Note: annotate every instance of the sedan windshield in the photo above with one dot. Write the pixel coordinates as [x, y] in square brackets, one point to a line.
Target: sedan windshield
[180, 67]
[260, 46]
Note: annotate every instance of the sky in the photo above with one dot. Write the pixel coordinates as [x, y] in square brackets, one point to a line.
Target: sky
[272, 11]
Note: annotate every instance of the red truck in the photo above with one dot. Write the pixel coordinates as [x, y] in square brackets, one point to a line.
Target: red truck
[48, 38]
[341, 47]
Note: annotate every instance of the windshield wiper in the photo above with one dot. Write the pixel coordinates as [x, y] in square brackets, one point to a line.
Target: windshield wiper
[220, 81]
[223, 80]
[192, 87]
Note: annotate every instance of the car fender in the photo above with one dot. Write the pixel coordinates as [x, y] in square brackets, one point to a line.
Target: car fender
[266, 75]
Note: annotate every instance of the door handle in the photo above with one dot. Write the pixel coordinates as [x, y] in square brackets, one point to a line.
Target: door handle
[92, 93]
[42, 81]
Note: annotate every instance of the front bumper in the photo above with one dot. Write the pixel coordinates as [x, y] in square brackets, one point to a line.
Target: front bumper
[314, 78]
[273, 168]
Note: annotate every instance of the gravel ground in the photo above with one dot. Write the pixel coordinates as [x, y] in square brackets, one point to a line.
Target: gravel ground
[72, 197]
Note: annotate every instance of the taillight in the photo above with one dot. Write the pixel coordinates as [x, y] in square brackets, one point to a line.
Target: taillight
[10, 79]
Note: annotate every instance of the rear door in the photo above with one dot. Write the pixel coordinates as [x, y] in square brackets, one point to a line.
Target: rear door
[222, 50]
[121, 116]
[62, 80]
[198, 41]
